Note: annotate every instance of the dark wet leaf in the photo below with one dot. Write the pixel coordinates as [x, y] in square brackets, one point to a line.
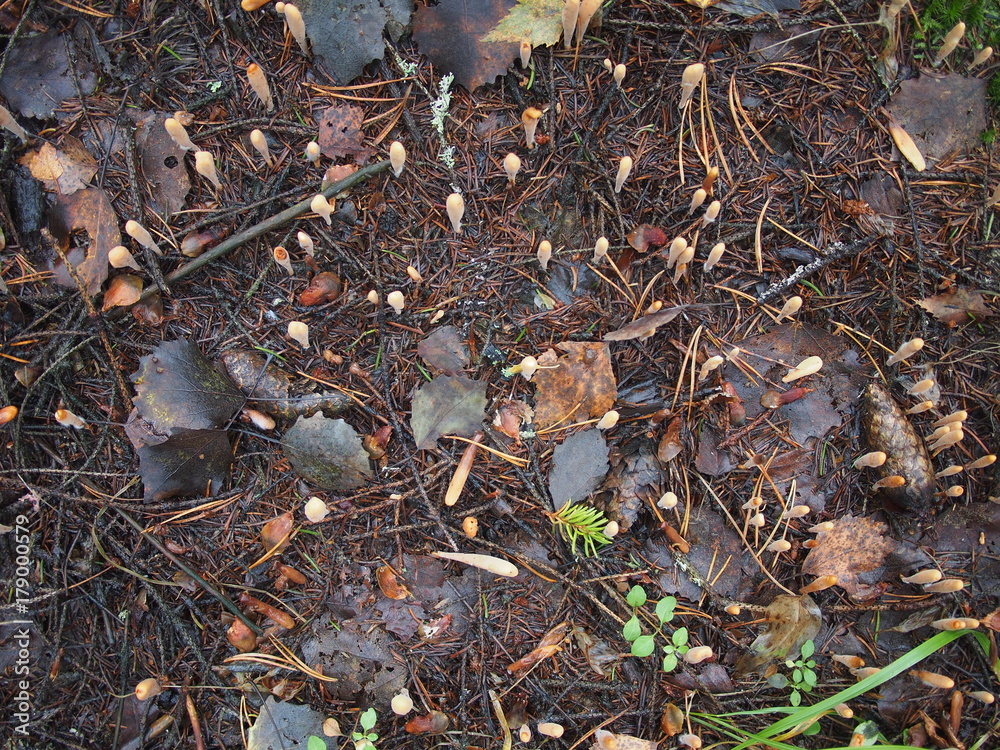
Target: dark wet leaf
[64, 170]
[340, 133]
[646, 325]
[854, 550]
[791, 621]
[346, 36]
[271, 388]
[428, 583]
[710, 459]
[956, 307]
[177, 388]
[941, 113]
[162, 163]
[189, 462]
[959, 531]
[635, 479]
[284, 726]
[448, 405]
[571, 280]
[769, 46]
[449, 34]
[575, 385]
[579, 465]
[37, 76]
[90, 210]
[327, 453]
[444, 351]
[359, 657]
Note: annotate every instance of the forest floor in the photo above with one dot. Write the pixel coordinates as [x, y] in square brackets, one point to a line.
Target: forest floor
[123, 568]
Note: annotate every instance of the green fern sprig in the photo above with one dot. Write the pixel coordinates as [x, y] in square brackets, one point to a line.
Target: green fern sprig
[580, 523]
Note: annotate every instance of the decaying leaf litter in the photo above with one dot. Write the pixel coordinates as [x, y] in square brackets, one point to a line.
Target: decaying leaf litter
[739, 464]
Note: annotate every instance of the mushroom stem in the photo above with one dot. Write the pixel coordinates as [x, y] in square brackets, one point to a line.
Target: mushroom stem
[461, 474]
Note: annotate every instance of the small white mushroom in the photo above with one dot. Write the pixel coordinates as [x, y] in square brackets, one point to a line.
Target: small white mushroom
[619, 74]
[921, 387]
[120, 257]
[609, 420]
[928, 575]
[982, 463]
[66, 418]
[544, 254]
[296, 25]
[690, 80]
[808, 366]
[148, 688]
[258, 82]
[525, 54]
[698, 654]
[179, 135]
[320, 205]
[8, 122]
[950, 42]
[259, 141]
[414, 274]
[668, 501]
[396, 301]
[779, 545]
[283, 259]
[608, 65]
[204, 164]
[624, 169]
[678, 246]
[313, 152]
[905, 351]
[315, 509]
[984, 54]
[871, 460]
[138, 232]
[455, 205]
[511, 165]
[306, 243]
[529, 119]
[484, 562]
[714, 256]
[697, 199]
[601, 249]
[551, 729]
[299, 333]
[401, 703]
[373, 297]
[797, 511]
[921, 407]
[570, 14]
[711, 213]
[588, 9]
[397, 157]
[945, 586]
[712, 363]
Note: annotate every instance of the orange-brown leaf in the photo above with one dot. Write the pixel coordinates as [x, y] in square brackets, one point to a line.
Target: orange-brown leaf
[579, 384]
[123, 291]
[854, 551]
[277, 531]
[646, 236]
[389, 583]
[433, 723]
[550, 644]
[324, 287]
[957, 307]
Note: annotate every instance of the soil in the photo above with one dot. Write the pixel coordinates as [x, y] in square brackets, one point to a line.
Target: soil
[112, 586]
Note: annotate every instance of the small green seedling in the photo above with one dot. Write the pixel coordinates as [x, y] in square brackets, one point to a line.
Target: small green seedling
[315, 743]
[644, 645]
[580, 523]
[803, 678]
[366, 738]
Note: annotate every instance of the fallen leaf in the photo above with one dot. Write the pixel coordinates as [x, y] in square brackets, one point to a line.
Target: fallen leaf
[123, 291]
[277, 531]
[149, 312]
[958, 306]
[645, 236]
[347, 36]
[596, 651]
[448, 405]
[327, 453]
[854, 550]
[579, 465]
[635, 479]
[162, 163]
[645, 326]
[791, 621]
[90, 210]
[449, 34]
[64, 170]
[324, 287]
[271, 389]
[277, 722]
[177, 388]
[604, 740]
[189, 462]
[571, 280]
[340, 133]
[941, 113]
[670, 444]
[576, 385]
[359, 657]
[37, 76]
[537, 22]
[549, 645]
[389, 583]
[444, 351]
[510, 416]
[433, 723]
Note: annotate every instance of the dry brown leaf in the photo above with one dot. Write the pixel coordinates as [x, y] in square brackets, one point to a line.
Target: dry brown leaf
[550, 644]
[123, 291]
[389, 583]
[670, 444]
[444, 351]
[854, 550]
[340, 133]
[63, 170]
[646, 325]
[957, 306]
[88, 209]
[605, 740]
[645, 236]
[791, 621]
[578, 385]
[277, 531]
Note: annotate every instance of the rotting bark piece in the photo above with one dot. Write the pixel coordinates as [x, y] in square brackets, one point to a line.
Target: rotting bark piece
[271, 388]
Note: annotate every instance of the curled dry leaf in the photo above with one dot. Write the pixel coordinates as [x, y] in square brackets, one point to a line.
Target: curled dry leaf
[510, 416]
[791, 621]
[670, 444]
[646, 325]
[389, 583]
[324, 287]
[277, 531]
[957, 307]
[123, 291]
[672, 720]
[433, 723]
[241, 637]
[549, 645]
[646, 236]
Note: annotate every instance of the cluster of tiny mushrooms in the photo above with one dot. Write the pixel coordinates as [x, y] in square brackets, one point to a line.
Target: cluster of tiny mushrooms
[577, 16]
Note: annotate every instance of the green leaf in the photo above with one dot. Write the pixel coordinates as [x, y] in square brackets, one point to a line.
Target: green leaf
[643, 646]
[632, 629]
[538, 22]
[636, 596]
[796, 698]
[810, 678]
[665, 609]
[808, 649]
[315, 743]
[777, 680]
[680, 637]
[669, 662]
[368, 719]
